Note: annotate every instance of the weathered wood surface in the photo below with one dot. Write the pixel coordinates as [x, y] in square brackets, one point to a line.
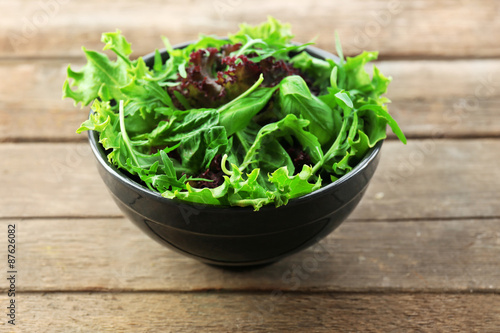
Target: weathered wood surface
[114, 255]
[266, 312]
[419, 254]
[433, 178]
[430, 99]
[460, 28]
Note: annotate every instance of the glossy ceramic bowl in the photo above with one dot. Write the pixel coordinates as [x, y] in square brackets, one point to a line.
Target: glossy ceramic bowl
[237, 236]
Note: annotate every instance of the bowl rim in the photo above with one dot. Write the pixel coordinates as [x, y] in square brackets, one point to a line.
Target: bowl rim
[99, 152]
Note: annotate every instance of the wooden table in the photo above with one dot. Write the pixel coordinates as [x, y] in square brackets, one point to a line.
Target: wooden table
[421, 253]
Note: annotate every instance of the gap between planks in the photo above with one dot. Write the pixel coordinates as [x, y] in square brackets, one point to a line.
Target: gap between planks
[390, 137]
[382, 57]
[386, 291]
[257, 292]
[353, 220]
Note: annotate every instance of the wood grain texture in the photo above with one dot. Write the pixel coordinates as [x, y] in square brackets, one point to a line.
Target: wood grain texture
[221, 312]
[114, 255]
[430, 99]
[425, 179]
[31, 106]
[419, 254]
[53, 28]
[51, 180]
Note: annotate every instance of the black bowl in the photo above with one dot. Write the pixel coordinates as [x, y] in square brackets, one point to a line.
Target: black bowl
[237, 236]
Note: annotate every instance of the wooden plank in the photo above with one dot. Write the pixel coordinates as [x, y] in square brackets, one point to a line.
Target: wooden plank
[52, 180]
[456, 117]
[430, 98]
[433, 98]
[397, 28]
[432, 179]
[425, 179]
[222, 312]
[31, 106]
[114, 255]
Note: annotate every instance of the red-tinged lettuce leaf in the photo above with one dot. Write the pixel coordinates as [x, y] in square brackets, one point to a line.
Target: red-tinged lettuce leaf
[199, 85]
[213, 78]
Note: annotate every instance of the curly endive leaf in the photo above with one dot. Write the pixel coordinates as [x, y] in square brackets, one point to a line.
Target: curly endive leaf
[100, 77]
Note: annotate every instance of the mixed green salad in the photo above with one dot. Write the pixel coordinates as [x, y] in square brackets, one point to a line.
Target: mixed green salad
[249, 120]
